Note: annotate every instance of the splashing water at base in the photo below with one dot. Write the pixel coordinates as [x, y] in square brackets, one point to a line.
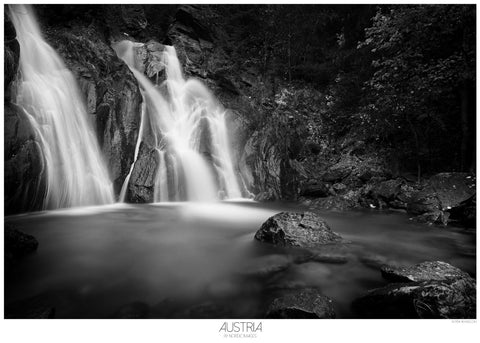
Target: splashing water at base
[188, 131]
[48, 95]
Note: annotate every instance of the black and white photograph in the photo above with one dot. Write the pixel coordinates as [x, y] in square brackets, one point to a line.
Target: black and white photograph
[258, 165]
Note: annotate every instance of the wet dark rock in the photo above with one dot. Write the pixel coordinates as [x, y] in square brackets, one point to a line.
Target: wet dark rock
[11, 50]
[339, 187]
[268, 195]
[436, 217]
[442, 192]
[133, 17]
[375, 261]
[315, 189]
[465, 213]
[17, 245]
[454, 298]
[225, 81]
[386, 190]
[24, 164]
[305, 229]
[134, 310]
[188, 15]
[37, 307]
[265, 161]
[425, 271]
[154, 66]
[301, 304]
[286, 285]
[142, 179]
[336, 174]
[452, 188]
[423, 202]
[333, 203]
[431, 289]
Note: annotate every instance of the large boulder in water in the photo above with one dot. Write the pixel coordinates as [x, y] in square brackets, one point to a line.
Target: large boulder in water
[452, 188]
[428, 299]
[442, 192]
[428, 290]
[305, 229]
[430, 270]
[301, 304]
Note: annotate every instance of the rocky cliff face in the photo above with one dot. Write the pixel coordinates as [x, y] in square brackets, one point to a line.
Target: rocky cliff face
[23, 160]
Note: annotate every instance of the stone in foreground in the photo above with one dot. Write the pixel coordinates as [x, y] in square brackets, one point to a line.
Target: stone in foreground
[426, 271]
[17, 245]
[301, 304]
[448, 299]
[37, 307]
[307, 230]
[426, 290]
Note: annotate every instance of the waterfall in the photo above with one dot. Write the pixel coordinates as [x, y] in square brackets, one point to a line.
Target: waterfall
[48, 94]
[186, 126]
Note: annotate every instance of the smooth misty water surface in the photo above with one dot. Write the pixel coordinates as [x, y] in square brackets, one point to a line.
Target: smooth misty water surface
[196, 259]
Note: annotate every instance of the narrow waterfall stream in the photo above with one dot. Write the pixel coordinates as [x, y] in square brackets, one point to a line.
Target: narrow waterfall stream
[48, 94]
[189, 133]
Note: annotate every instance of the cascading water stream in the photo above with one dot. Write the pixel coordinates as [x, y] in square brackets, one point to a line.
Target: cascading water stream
[48, 94]
[188, 130]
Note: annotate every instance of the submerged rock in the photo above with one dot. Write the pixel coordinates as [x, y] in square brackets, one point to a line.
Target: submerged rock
[330, 258]
[425, 271]
[305, 229]
[17, 245]
[266, 266]
[301, 304]
[375, 261]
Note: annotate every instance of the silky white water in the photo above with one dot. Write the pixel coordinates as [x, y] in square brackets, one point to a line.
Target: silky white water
[48, 94]
[188, 129]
